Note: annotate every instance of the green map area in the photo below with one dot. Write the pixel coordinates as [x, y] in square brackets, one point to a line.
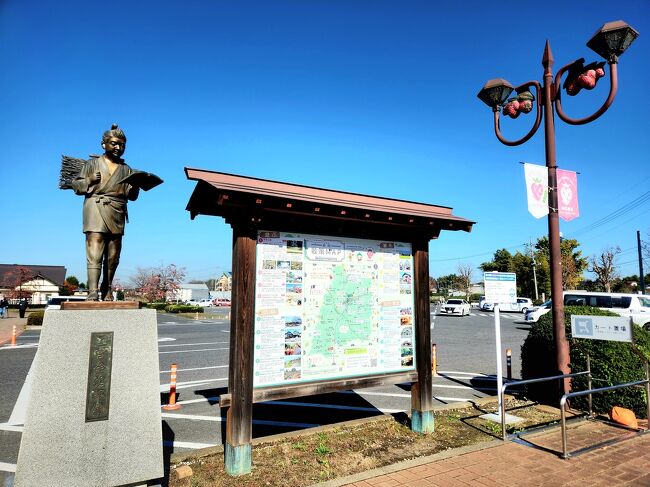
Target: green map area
[345, 317]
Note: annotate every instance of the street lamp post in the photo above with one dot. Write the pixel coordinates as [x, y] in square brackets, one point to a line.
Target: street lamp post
[609, 42]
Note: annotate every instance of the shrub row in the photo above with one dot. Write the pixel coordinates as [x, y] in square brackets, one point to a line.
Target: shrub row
[175, 308]
[611, 363]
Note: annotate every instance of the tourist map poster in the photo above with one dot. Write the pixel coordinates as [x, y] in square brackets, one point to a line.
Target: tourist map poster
[331, 307]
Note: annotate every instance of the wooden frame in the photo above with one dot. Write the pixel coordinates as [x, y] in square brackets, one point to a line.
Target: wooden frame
[251, 204]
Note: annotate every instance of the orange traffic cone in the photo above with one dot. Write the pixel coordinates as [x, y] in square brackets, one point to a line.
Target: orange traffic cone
[172, 392]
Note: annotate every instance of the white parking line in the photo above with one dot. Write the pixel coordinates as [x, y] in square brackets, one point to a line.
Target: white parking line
[192, 383]
[450, 399]
[188, 444]
[195, 368]
[192, 344]
[11, 427]
[196, 417]
[7, 467]
[214, 399]
[190, 351]
[333, 406]
[16, 347]
[471, 374]
[445, 386]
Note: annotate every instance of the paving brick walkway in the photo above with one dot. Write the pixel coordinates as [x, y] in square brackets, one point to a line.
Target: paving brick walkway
[622, 463]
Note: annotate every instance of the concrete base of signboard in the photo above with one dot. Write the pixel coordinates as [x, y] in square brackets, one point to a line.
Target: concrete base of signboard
[58, 447]
[496, 417]
[238, 460]
[422, 421]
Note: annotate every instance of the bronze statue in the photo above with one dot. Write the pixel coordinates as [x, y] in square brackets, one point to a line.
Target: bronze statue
[106, 182]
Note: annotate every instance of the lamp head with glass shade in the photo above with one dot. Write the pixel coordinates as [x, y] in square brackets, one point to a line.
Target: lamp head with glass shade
[612, 39]
[495, 93]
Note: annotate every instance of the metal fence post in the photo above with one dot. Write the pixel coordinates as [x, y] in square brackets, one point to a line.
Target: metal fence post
[565, 454]
[647, 394]
[589, 385]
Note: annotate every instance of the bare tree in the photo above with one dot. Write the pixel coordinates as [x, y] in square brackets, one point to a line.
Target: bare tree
[465, 272]
[603, 266]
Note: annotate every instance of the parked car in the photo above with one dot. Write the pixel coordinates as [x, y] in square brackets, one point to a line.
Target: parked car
[204, 303]
[487, 306]
[520, 306]
[636, 306]
[221, 302]
[455, 307]
[533, 314]
[54, 302]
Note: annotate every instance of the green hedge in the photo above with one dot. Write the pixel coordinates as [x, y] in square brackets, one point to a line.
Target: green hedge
[611, 363]
[158, 306]
[183, 308]
[35, 318]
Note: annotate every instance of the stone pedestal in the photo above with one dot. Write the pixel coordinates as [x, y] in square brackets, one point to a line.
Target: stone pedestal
[116, 440]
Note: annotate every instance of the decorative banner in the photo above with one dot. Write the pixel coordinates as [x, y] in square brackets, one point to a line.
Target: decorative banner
[567, 194]
[537, 189]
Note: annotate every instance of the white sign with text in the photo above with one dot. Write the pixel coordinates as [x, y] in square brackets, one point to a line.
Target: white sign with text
[612, 328]
[500, 287]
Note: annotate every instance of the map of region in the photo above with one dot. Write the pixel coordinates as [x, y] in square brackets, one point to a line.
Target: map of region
[346, 315]
[331, 307]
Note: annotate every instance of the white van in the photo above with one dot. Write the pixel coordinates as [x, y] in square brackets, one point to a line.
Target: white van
[636, 306]
[54, 302]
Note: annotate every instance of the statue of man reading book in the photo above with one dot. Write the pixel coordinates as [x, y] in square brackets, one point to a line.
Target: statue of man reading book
[107, 183]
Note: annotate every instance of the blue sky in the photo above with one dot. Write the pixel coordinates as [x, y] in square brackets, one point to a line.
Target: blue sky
[373, 97]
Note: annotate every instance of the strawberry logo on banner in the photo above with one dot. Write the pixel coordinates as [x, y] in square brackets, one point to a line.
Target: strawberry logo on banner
[537, 189]
[567, 191]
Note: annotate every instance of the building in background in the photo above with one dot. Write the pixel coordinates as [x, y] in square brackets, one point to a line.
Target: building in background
[224, 283]
[34, 282]
[189, 292]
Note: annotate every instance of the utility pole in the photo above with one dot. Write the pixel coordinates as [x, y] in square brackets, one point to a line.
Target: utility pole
[641, 279]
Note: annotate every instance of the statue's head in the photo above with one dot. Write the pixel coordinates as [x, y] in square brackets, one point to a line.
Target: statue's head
[116, 132]
[114, 142]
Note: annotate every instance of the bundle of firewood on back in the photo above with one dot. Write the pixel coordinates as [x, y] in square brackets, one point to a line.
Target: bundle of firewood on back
[70, 169]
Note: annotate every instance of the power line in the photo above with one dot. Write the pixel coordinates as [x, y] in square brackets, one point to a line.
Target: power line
[632, 205]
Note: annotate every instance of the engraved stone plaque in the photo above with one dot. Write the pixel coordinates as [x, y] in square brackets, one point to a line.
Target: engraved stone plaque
[98, 394]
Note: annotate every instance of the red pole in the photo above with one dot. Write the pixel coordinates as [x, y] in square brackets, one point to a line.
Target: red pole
[434, 360]
[509, 363]
[561, 344]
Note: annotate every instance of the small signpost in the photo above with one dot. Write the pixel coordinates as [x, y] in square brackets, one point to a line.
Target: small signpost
[500, 288]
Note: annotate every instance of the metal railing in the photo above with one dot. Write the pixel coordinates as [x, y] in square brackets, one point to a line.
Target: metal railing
[533, 381]
[646, 382]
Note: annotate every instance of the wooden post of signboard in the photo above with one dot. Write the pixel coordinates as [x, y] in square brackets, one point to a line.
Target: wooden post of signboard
[422, 390]
[237, 449]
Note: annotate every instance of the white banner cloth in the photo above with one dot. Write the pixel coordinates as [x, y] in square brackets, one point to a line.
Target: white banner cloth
[537, 189]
